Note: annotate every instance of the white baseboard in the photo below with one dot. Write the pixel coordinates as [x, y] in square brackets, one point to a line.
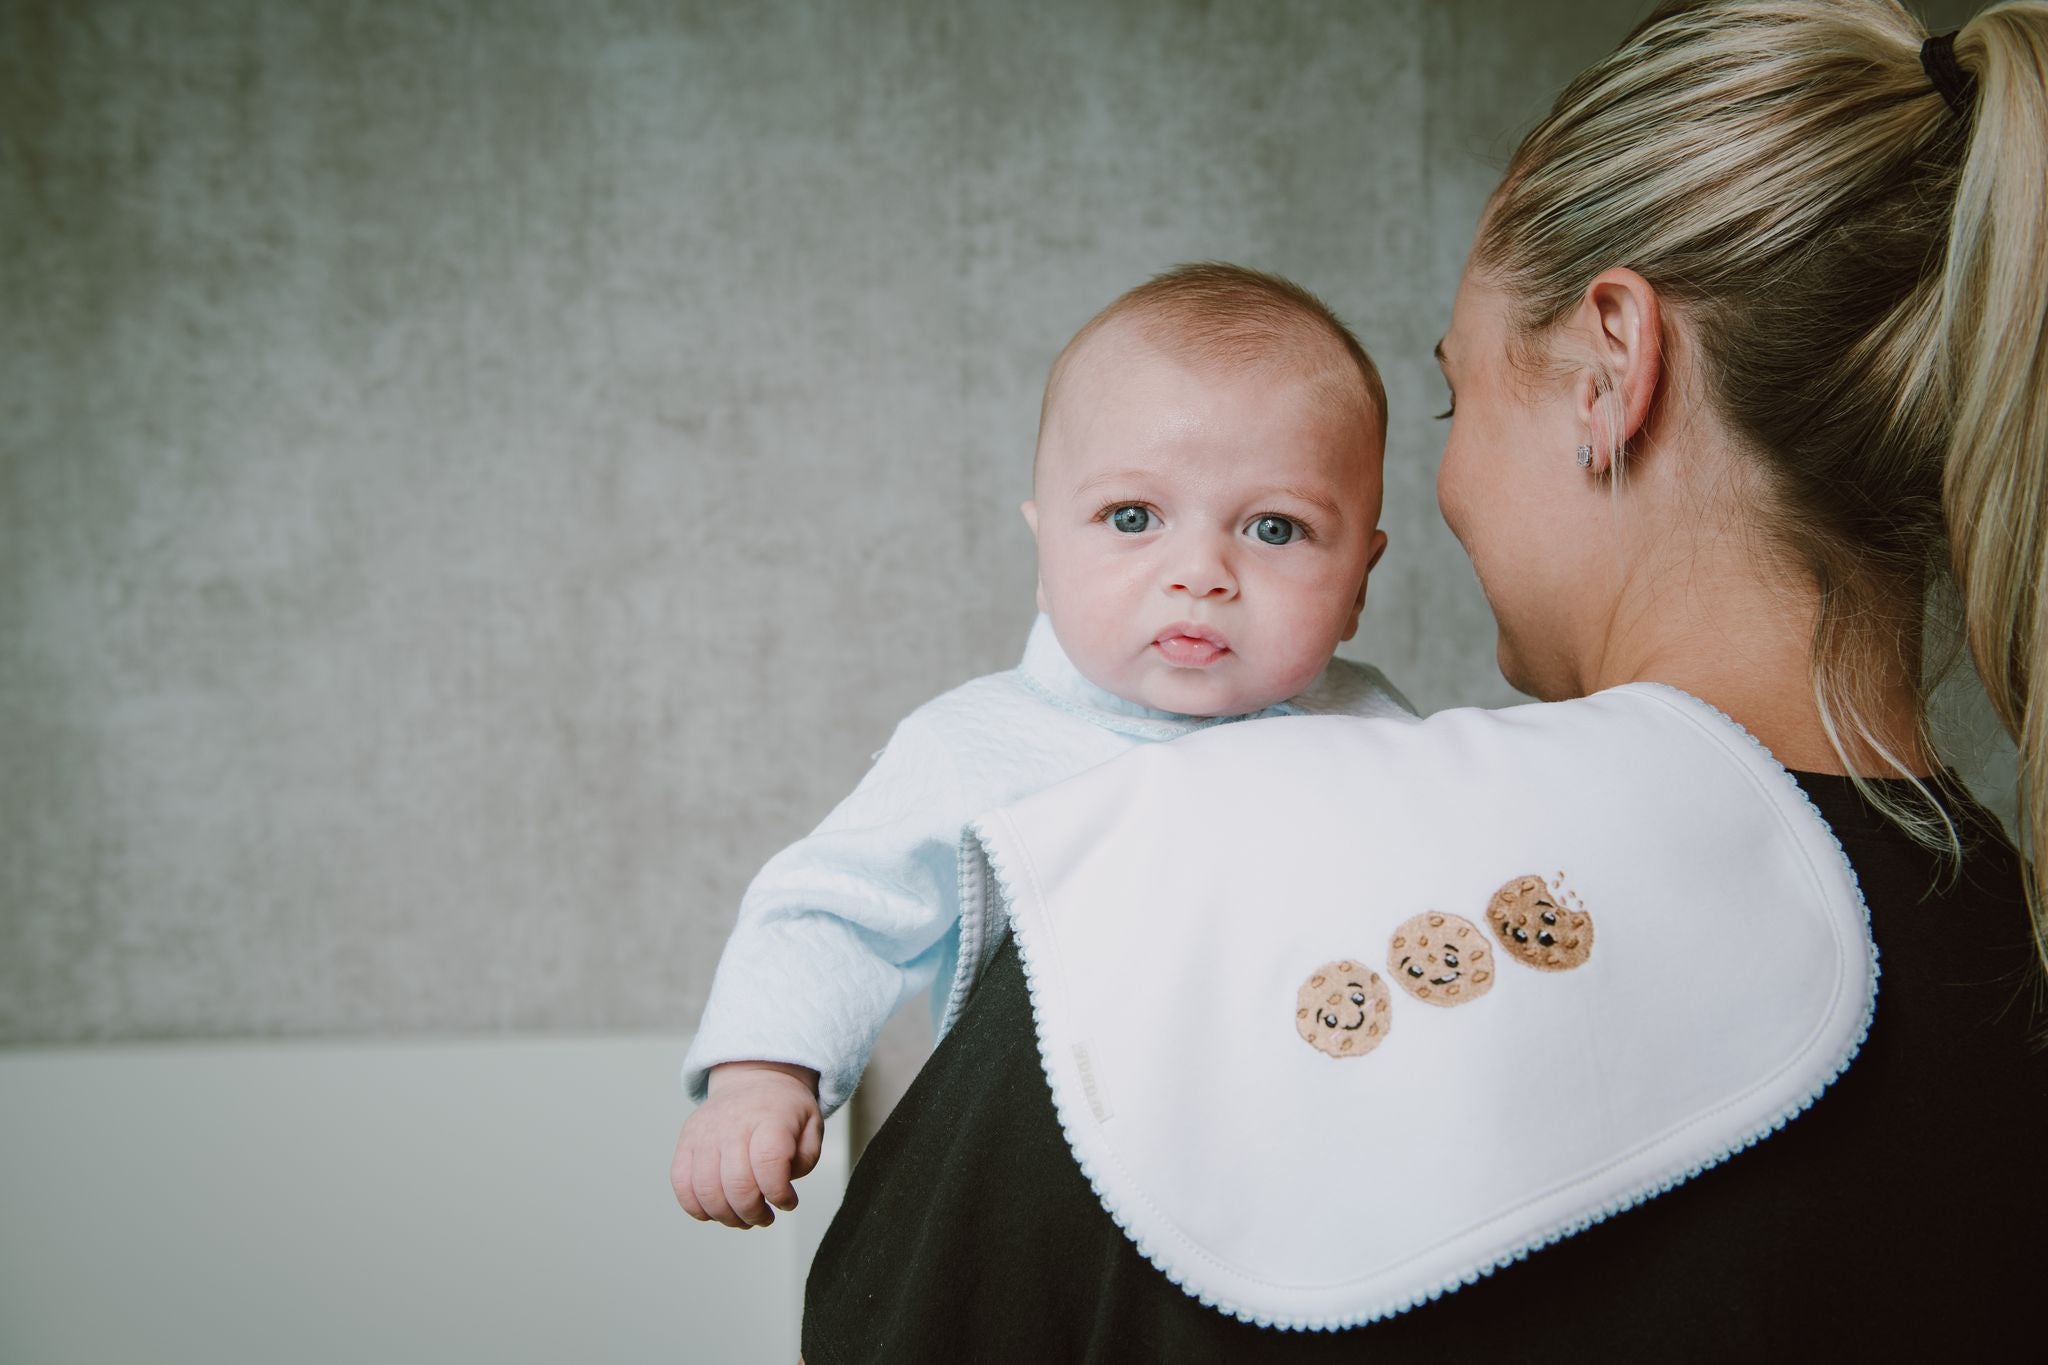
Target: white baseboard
[493, 1200]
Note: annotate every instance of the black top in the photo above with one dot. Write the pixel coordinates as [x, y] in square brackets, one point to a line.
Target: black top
[1907, 1208]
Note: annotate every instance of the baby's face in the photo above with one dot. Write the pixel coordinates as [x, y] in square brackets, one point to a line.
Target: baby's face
[1203, 536]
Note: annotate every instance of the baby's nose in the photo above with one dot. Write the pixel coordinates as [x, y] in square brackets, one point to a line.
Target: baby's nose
[1202, 572]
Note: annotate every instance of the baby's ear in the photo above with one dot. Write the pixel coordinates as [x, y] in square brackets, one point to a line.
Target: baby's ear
[1030, 510]
[1379, 547]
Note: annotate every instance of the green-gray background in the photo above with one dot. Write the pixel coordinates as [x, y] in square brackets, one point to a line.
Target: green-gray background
[477, 478]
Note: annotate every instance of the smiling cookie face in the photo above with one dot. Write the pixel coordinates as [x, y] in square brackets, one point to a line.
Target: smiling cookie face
[1441, 959]
[1543, 927]
[1342, 1009]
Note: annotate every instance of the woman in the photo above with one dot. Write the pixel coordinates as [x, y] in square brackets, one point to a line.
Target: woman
[1748, 354]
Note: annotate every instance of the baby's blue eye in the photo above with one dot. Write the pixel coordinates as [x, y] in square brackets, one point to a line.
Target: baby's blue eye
[1131, 519]
[1276, 530]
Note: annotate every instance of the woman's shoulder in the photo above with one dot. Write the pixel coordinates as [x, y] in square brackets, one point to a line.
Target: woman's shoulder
[1960, 999]
[1959, 869]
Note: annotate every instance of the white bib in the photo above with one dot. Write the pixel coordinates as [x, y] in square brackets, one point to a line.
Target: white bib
[1339, 1014]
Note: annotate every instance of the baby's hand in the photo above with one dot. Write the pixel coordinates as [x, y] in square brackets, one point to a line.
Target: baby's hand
[758, 1130]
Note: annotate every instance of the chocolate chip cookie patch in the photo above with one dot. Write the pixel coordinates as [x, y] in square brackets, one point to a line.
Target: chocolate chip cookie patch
[1441, 959]
[1344, 1009]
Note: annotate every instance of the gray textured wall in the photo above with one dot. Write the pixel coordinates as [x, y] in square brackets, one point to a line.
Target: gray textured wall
[475, 479]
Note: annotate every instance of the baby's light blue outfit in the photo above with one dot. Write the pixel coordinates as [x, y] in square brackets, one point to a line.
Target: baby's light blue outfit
[848, 923]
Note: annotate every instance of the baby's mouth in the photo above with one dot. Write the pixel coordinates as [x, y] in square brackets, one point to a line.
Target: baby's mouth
[1186, 644]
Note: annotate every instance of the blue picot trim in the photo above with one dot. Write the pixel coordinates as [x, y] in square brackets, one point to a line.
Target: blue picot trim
[971, 896]
[1621, 1204]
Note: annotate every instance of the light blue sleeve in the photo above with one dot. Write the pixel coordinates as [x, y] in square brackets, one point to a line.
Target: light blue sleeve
[842, 927]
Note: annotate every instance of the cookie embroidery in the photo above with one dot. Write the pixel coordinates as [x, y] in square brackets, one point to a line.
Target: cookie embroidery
[1541, 925]
[1441, 959]
[1342, 1009]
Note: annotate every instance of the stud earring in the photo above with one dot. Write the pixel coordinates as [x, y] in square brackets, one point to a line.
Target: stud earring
[1584, 455]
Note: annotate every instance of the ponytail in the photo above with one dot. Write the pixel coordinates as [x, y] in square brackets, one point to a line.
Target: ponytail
[1994, 337]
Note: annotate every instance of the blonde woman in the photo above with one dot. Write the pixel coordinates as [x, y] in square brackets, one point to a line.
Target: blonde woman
[1556, 1033]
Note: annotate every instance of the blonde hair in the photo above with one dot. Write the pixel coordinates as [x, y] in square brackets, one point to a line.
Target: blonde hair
[1865, 270]
[1211, 313]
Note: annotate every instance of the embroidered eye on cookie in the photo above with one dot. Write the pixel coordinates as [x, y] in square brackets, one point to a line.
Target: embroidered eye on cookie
[1540, 925]
[1342, 1009]
[1441, 959]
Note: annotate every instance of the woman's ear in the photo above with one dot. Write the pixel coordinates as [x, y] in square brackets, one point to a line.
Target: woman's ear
[1621, 319]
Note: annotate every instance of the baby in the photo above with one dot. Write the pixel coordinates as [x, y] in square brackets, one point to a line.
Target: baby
[1206, 501]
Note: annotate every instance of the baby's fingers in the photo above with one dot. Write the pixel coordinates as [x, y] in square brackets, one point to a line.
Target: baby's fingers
[742, 1191]
[774, 1153]
[810, 1145]
[679, 1180]
[707, 1183]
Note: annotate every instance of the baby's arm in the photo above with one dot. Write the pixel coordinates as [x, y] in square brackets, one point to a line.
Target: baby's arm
[836, 932]
[758, 1131]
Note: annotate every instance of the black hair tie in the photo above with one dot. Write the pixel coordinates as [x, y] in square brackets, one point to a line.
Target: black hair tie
[1956, 86]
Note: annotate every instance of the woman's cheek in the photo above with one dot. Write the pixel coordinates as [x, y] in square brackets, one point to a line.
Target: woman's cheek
[1471, 510]
[1450, 502]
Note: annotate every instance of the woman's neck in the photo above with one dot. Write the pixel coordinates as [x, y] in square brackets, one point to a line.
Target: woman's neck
[1734, 636]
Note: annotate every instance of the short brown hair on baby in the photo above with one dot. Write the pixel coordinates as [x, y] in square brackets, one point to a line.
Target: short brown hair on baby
[1211, 313]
